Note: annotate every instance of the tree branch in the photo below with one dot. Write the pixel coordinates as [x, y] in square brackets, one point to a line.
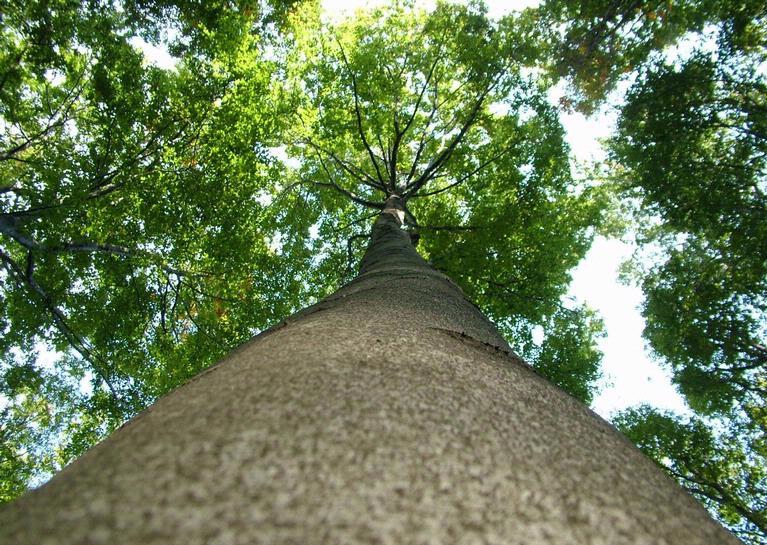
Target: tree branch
[361, 176]
[8, 228]
[448, 151]
[61, 112]
[26, 276]
[463, 178]
[358, 114]
[398, 134]
[345, 192]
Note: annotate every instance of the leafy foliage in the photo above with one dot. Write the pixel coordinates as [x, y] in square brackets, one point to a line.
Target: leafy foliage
[692, 145]
[133, 239]
[716, 468]
[152, 218]
[596, 43]
[703, 124]
[568, 354]
[47, 405]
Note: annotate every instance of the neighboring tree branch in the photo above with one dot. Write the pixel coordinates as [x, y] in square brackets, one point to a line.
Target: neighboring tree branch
[56, 119]
[345, 192]
[724, 497]
[26, 276]
[451, 228]
[8, 228]
[102, 184]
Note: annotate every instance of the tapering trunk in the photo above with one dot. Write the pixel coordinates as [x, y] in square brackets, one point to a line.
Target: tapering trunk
[391, 412]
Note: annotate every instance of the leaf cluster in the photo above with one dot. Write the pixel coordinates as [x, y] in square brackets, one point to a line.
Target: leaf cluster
[722, 470]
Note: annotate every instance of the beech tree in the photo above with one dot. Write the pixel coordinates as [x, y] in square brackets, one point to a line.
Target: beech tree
[149, 228]
[595, 44]
[389, 396]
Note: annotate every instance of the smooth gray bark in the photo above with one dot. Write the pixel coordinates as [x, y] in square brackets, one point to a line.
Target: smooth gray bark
[392, 412]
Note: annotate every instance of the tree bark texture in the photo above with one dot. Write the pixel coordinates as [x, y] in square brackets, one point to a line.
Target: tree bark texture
[392, 412]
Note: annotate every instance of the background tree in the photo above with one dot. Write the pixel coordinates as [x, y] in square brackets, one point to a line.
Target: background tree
[719, 471]
[688, 159]
[132, 240]
[706, 129]
[597, 43]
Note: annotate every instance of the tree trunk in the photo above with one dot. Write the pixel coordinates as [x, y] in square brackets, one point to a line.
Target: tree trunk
[391, 412]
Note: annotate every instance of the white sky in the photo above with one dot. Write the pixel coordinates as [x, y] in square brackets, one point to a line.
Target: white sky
[630, 377]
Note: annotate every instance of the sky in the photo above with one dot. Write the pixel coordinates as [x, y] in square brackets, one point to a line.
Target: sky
[630, 376]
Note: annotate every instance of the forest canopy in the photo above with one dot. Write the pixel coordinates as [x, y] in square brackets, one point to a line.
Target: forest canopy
[154, 218]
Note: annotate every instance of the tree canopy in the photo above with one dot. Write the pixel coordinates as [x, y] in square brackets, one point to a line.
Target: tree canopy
[688, 159]
[130, 216]
[152, 219]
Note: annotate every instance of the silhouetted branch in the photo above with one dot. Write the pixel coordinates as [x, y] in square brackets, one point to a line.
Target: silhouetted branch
[355, 172]
[8, 228]
[345, 192]
[398, 134]
[444, 156]
[56, 119]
